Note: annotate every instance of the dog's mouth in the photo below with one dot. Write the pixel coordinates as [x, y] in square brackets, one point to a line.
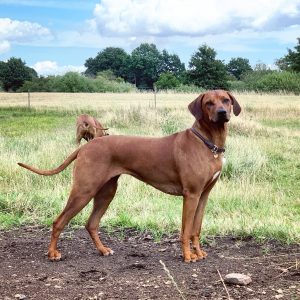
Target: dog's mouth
[221, 119]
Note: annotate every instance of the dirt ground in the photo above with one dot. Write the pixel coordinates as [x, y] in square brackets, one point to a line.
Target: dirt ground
[136, 271]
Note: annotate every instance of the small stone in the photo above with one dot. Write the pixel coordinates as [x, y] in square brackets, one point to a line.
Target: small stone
[148, 238]
[162, 249]
[156, 286]
[279, 296]
[20, 296]
[279, 291]
[236, 278]
[194, 275]
[57, 286]
[168, 282]
[292, 287]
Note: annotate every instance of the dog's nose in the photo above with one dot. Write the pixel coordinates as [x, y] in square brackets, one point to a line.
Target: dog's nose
[221, 112]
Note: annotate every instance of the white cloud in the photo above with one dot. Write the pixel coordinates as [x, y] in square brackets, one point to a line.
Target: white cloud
[133, 18]
[15, 30]
[22, 31]
[48, 67]
[4, 46]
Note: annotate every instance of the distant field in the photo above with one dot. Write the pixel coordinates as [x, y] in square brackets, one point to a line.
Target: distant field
[258, 194]
[100, 100]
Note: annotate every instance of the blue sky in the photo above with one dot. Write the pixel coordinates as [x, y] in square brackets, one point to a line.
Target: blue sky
[57, 36]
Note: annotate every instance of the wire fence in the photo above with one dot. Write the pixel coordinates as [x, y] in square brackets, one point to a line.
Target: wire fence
[144, 98]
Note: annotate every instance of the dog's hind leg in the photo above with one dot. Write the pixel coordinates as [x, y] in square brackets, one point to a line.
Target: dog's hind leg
[78, 199]
[101, 203]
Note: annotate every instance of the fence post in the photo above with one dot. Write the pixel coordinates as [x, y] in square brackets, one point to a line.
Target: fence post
[155, 91]
[28, 97]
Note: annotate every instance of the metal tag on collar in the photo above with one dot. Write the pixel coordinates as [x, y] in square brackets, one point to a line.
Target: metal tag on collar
[214, 150]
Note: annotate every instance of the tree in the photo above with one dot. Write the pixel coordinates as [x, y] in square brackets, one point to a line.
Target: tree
[145, 65]
[2, 71]
[14, 73]
[291, 61]
[262, 67]
[111, 58]
[238, 66]
[171, 63]
[206, 71]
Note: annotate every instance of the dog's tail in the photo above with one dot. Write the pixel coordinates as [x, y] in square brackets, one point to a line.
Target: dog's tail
[57, 170]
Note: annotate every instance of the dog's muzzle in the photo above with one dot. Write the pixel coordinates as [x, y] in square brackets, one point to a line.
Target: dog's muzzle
[222, 116]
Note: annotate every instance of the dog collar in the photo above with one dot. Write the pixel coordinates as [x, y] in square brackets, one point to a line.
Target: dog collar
[211, 146]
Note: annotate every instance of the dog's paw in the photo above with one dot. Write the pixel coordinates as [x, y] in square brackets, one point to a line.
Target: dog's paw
[191, 258]
[200, 253]
[54, 255]
[107, 252]
[204, 254]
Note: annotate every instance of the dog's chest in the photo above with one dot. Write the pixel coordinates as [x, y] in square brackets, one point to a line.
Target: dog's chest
[215, 175]
[215, 170]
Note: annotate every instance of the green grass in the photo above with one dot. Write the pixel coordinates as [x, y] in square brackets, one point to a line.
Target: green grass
[290, 123]
[258, 193]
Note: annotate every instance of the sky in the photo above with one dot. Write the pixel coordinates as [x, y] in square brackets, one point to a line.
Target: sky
[54, 37]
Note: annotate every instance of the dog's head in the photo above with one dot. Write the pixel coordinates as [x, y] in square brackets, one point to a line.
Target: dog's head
[214, 106]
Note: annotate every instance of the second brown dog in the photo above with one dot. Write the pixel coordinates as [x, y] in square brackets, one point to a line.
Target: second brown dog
[88, 128]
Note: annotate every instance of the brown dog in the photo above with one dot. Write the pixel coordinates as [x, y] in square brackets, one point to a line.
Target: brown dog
[88, 128]
[182, 164]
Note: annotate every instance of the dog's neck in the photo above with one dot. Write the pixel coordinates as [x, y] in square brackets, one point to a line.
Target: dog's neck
[214, 132]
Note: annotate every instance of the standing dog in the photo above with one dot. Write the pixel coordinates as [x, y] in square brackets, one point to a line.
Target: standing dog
[88, 128]
[187, 163]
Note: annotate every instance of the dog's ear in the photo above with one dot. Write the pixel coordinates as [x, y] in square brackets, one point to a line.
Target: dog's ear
[195, 107]
[236, 107]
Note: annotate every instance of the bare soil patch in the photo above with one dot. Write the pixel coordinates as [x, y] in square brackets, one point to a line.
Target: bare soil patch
[135, 271]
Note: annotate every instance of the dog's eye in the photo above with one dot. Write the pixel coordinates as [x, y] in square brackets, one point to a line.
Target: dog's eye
[226, 101]
[209, 104]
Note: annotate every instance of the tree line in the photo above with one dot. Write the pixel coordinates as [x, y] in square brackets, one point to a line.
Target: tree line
[114, 70]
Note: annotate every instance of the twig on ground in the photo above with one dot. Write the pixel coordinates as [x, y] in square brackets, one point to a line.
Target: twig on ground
[286, 269]
[172, 279]
[225, 287]
[261, 257]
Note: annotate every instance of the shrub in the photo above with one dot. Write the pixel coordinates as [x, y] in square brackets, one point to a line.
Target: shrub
[166, 81]
[107, 82]
[237, 85]
[273, 81]
[38, 84]
[73, 82]
[189, 88]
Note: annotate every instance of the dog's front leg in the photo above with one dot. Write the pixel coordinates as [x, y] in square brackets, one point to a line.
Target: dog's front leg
[197, 226]
[198, 219]
[190, 203]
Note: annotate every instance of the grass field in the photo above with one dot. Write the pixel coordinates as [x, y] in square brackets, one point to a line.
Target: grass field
[258, 194]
